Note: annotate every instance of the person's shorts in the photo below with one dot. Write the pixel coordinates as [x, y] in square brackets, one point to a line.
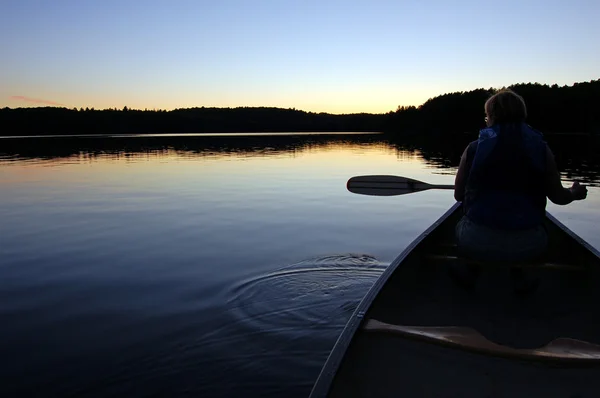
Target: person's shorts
[487, 244]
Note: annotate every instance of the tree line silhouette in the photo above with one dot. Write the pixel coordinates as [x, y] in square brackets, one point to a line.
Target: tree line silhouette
[52, 120]
[552, 109]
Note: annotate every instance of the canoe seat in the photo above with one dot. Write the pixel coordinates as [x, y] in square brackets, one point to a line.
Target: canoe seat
[558, 266]
[559, 350]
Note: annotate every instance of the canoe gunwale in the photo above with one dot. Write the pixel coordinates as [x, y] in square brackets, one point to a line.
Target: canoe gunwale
[573, 235]
[331, 366]
[328, 372]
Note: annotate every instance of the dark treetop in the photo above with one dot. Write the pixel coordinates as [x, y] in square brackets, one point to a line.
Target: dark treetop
[552, 109]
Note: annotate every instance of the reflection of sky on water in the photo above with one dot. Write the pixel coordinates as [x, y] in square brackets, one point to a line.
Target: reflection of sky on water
[264, 170]
[201, 256]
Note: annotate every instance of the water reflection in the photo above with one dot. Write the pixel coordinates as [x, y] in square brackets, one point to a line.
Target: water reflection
[153, 265]
[292, 312]
[140, 146]
[575, 155]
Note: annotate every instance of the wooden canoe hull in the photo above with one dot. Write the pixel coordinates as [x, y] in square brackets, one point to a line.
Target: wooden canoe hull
[416, 290]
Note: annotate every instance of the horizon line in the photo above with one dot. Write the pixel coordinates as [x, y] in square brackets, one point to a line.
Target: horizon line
[58, 105]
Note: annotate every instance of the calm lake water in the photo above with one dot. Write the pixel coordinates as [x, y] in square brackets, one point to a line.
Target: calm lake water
[207, 266]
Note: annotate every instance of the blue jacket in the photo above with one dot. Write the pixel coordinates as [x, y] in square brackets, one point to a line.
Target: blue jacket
[506, 183]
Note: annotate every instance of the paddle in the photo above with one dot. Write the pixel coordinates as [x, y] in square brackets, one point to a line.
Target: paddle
[387, 185]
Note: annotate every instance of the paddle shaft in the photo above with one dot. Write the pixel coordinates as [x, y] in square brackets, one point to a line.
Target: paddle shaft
[441, 186]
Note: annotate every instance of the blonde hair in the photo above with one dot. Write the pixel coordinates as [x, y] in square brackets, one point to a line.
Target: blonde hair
[506, 106]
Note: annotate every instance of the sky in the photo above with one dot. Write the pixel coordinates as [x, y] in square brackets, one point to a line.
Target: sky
[321, 56]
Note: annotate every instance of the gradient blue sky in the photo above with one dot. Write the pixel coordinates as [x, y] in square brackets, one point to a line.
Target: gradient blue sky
[323, 56]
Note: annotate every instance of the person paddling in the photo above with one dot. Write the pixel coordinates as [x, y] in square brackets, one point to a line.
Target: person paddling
[503, 180]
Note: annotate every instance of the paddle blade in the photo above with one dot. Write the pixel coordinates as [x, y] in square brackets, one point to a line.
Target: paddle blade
[388, 185]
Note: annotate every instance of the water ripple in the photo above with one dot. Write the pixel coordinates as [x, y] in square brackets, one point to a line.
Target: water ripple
[319, 292]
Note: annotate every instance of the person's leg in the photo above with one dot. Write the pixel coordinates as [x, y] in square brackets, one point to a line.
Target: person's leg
[462, 272]
[534, 244]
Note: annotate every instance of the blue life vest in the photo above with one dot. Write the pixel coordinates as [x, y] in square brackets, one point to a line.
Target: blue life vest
[506, 183]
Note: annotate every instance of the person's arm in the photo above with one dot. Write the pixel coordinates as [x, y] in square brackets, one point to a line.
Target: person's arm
[460, 182]
[554, 189]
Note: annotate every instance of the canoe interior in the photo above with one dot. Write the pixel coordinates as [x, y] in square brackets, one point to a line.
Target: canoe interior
[420, 292]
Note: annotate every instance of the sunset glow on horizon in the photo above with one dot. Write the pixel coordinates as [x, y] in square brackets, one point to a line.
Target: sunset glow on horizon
[318, 56]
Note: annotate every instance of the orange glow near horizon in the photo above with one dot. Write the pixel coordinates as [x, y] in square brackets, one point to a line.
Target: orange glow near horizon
[359, 97]
[376, 100]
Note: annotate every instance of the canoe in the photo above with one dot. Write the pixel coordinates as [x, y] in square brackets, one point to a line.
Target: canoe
[417, 333]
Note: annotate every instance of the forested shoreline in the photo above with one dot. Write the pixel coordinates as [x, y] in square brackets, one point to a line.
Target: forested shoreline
[552, 109]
